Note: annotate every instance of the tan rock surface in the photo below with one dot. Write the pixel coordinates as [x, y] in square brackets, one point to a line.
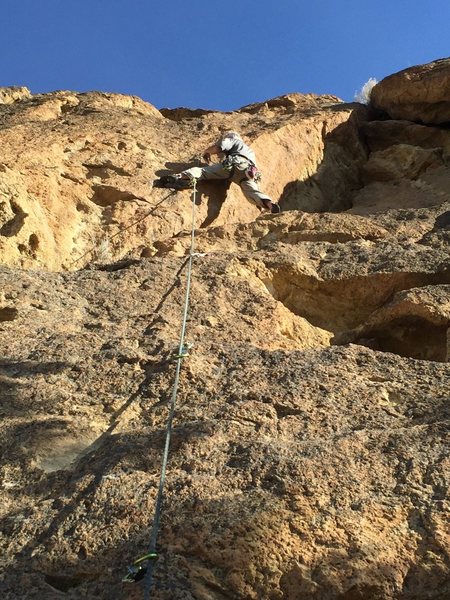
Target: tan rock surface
[401, 161]
[414, 323]
[8, 95]
[380, 135]
[291, 227]
[86, 160]
[420, 93]
[379, 197]
[309, 457]
[293, 473]
[408, 166]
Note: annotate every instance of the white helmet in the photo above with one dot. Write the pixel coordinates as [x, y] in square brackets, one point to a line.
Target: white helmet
[232, 135]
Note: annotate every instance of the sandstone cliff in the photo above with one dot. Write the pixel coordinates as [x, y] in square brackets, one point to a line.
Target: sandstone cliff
[309, 456]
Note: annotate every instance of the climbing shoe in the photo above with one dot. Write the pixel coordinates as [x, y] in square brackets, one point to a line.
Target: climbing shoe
[275, 209]
[174, 182]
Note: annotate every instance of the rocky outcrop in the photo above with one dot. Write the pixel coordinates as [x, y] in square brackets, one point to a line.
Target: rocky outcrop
[401, 161]
[87, 162]
[8, 95]
[308, 457]
[420, 93]
[409, 163]
[414, 323]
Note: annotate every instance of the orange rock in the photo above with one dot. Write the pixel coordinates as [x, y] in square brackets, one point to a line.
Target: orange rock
[420, 93]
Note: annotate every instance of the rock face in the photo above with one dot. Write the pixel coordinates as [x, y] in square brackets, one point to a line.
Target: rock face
[86, 161]
[408, 167]
[12, 94]
[309, 457]
[420, 93]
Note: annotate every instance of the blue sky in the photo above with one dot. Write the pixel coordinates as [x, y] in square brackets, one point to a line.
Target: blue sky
[216, 54]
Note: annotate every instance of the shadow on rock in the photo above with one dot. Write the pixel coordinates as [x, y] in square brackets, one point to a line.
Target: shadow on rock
[330, 187]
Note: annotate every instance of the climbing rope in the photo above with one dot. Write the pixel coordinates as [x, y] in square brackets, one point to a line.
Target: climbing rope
[139, 569]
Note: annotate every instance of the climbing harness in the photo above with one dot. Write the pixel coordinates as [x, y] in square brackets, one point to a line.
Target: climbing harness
[228, 164]
[143, 567]
[251, 172]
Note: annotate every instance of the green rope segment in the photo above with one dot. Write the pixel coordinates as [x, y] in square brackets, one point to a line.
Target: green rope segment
[183, 352]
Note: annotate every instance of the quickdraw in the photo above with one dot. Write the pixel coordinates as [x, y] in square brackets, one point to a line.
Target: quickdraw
[184, 351]
[138, 569]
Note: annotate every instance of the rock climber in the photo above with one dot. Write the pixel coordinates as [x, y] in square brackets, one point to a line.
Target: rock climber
[237, 163]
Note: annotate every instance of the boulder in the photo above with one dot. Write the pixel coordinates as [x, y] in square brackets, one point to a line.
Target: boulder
[9, 95]
[420, 93]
